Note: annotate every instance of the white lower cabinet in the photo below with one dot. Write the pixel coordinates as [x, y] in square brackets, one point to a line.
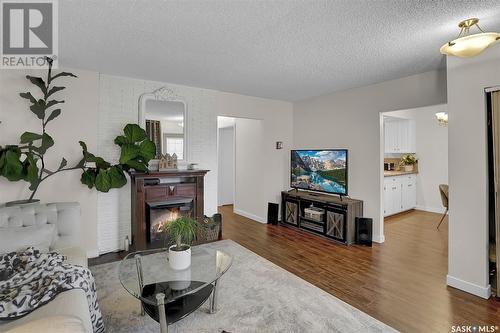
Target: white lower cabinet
[400, 194]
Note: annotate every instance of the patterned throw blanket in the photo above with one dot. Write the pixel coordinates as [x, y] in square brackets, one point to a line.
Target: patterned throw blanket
[30, 279]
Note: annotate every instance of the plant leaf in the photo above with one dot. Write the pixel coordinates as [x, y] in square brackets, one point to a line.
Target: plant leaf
[54, 89]
[28, 137]
[117, 177]
[47, 142]
[13, 167]
[29, 96]
[39, 82]
[31, 170]
[62, 74]
[88, 178]
[62, 164]
[52, 103]
[102, 181]
[147, 150]
[134, 133]
[121, 140]
[53, 115]
[39, 108]
[137, 165]
[128, 152]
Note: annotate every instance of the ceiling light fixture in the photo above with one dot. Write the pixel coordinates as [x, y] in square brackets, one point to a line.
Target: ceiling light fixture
[467, 45]
[442, 118]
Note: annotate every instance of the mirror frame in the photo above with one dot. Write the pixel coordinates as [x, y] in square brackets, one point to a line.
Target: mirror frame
[167, 95]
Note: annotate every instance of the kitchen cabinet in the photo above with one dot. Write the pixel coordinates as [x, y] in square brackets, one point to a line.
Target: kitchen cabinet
[400, 194]
[399, 135]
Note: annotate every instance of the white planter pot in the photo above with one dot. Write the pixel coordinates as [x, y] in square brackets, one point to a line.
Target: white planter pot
[181, 279]
[179, 260]
[408, 168]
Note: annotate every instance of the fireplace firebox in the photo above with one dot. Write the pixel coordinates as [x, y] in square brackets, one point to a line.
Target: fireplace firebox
[160, 213]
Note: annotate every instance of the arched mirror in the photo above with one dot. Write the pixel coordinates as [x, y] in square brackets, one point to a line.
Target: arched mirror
[163, 115]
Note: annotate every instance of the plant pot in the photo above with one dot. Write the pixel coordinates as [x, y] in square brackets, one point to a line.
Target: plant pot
[181, 280]
[179, 259]
[408, 168]
[22, 202]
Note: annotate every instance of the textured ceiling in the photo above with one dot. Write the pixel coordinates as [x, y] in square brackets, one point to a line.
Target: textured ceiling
[288, 50]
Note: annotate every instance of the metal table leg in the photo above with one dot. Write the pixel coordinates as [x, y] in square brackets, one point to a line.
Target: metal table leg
[138, 265]
[213, 298]
[160, 299]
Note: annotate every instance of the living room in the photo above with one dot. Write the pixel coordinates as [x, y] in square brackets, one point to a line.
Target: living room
[254, 61]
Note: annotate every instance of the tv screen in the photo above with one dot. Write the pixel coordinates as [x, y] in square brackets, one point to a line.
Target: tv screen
[320, 170]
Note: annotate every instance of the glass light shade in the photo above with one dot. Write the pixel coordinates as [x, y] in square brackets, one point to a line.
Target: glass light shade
[471, 45]
[442, 118]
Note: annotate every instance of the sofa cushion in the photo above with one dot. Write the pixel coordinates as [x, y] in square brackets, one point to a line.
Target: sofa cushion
[54, 324]
[74, 255]
[69, 303]
[19, 238]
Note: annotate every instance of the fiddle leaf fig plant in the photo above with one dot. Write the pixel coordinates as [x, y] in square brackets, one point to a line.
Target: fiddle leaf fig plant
[27, 160]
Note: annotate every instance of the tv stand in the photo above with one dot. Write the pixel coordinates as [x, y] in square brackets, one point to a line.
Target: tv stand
[337, 222]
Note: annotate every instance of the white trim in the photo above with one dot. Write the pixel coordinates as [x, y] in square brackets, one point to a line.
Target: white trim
[471, 288]
[438, 210]
[92, 253]
[378, 239]
[492, 89]
[249, 215]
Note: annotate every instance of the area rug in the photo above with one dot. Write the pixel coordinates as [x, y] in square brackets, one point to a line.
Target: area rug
[255, 295]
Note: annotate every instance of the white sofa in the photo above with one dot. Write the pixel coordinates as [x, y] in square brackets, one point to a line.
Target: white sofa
[69, 311]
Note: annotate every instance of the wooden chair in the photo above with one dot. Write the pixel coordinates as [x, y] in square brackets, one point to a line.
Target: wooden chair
[443, 190]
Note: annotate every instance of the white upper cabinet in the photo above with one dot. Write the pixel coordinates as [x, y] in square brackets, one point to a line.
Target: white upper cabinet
[399, 135]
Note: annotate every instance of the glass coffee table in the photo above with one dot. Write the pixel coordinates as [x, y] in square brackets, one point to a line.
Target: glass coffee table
[168, 295]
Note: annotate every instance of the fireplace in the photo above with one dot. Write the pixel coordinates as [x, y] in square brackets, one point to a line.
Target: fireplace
[159, 213]
[157, 197]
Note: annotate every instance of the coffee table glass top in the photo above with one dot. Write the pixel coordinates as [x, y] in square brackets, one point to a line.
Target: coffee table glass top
[207, 266]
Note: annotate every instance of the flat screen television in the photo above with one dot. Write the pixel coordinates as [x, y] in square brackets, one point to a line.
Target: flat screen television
[319, 170]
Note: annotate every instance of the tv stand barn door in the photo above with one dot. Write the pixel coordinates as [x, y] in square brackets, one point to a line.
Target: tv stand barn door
[338, 222]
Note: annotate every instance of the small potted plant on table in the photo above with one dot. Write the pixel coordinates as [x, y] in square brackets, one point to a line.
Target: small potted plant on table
[408, 162]
[183, 232]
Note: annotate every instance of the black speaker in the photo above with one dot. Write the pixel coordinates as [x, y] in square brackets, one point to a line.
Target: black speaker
[272, 213]
[364, 231]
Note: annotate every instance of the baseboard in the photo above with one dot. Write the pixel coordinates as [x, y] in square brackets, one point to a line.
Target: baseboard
[471, 288]
[92, 254]
[439, 210]
[250, 216]
[378, 239]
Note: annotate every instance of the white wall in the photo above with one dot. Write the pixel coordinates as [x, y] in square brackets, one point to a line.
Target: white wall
[78, 121]
[251, 168]
[468, 217]
[432, 153]
[351, 119]
[118, 105]
[225, 179]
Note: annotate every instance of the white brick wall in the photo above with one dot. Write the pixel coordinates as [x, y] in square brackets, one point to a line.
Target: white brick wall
[118, 105]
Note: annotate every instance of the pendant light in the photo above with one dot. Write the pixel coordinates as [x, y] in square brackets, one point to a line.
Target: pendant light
[467, 45]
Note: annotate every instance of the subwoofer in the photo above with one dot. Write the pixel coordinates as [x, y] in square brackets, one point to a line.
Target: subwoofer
[272, 213]
[364, 227]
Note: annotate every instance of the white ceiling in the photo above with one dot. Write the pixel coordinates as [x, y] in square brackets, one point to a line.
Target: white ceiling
[288, 50]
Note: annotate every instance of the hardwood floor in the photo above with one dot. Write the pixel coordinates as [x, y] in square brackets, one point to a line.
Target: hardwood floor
[401, 282]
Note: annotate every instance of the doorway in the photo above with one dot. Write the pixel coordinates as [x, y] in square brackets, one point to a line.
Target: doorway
[225, 160]
[414, 163]
[240, 164]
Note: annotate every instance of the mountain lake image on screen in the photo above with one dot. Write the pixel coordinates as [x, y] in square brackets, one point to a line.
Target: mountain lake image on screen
[320, 170]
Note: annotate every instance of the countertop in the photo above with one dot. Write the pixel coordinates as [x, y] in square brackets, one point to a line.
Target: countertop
[398, 173]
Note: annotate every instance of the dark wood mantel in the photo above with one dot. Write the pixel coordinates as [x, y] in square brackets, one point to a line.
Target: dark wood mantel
[181, 183]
